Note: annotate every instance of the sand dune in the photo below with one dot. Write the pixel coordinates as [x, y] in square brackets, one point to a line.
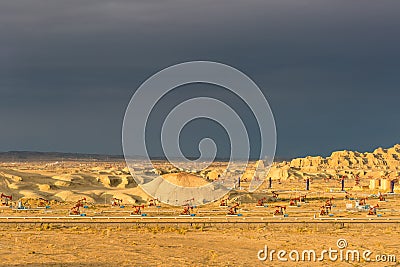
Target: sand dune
[44, 187]
[30, 194]
[70, 196]
[185, 179]
[70, 182]
[67, 177]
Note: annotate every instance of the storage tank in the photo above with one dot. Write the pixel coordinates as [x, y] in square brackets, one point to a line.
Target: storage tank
[385, 185]
[373, 184]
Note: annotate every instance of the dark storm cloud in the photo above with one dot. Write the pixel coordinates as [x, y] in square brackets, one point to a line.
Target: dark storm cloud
[330, 69]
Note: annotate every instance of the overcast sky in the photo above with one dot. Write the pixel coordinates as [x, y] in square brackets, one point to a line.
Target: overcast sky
[329, 69]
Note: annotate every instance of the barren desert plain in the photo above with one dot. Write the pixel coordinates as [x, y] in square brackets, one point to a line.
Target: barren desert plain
[88, 212]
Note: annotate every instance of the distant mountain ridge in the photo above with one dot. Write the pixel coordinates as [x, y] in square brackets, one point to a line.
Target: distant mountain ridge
[35, 155]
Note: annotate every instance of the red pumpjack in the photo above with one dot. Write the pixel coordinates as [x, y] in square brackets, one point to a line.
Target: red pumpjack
[372, 210]
[116, 202]
[280, 210]
[261, 201]
[153, 202]
[224, 202]
[325, 210]
[233, 209]
[5, 199]
[137, 210]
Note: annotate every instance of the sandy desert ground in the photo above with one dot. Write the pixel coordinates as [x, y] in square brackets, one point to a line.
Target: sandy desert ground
[121, 245]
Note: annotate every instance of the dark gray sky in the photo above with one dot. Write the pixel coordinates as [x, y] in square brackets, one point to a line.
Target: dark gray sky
[329, 69]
